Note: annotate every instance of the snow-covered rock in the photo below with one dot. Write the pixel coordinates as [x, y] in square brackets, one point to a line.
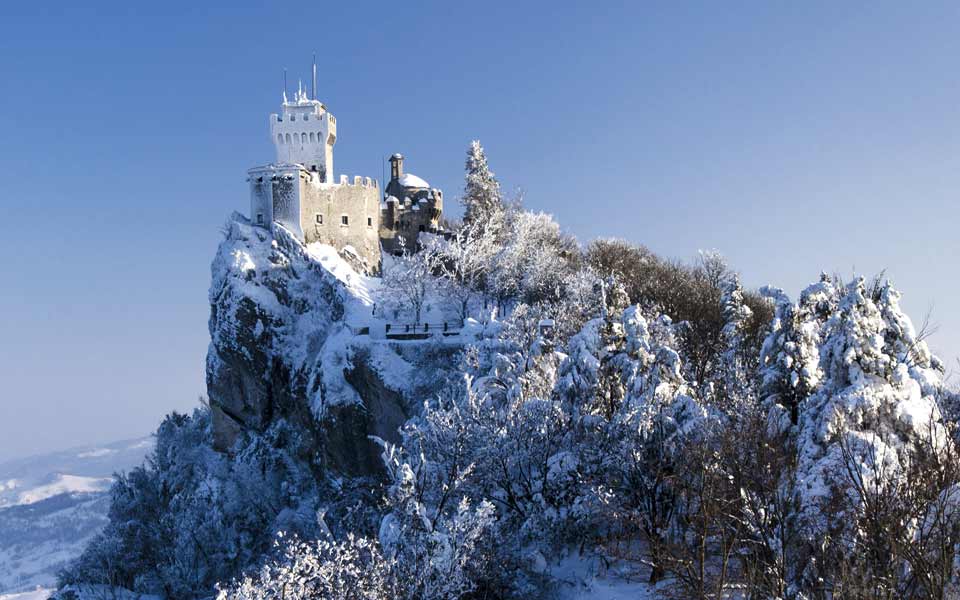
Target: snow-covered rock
[288, 330]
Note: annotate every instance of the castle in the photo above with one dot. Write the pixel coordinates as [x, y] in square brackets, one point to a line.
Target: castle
[300, 192]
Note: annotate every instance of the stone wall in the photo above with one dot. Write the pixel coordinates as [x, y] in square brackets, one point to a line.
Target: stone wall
[346, 214]
[340, 215]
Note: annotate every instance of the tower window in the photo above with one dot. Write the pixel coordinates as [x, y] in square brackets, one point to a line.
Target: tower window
[259, 218]
[369, 221]
[344, 220]
[311, 137]
[279, 138]
[319, 219]
[288, 138]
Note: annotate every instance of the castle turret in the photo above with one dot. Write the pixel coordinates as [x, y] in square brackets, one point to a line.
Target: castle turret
[298, 191]
[411, 207]
[396, 166]
[304, 133]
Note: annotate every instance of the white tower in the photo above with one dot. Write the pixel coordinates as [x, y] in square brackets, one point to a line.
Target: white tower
[304, 133]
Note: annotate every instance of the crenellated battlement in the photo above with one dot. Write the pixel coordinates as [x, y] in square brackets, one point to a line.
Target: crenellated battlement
[359, 181]
[304, 133]
[301, 192]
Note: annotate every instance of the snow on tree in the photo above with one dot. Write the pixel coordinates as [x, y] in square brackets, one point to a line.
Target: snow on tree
[733, 384]
[351, 569]
[481, 196]
[437, 539]
[578, 381]
[648, 435]
[790, 357]
[466, 260]
[534, 263]
[407, 281]
[192, 517]
[872, 417]
[616, 366]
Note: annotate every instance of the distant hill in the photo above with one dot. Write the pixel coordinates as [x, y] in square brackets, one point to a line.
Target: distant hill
[52, 504]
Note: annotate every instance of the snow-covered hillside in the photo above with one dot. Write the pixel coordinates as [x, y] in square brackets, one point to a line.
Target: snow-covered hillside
[36, 594]
[52, 504]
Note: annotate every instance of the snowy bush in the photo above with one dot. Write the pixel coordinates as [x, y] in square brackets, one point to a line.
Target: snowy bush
[192, 517]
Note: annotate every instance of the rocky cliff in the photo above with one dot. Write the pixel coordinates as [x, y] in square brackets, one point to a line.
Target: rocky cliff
[284, 344]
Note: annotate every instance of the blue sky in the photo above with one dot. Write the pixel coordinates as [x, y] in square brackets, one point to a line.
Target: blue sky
[792, 137]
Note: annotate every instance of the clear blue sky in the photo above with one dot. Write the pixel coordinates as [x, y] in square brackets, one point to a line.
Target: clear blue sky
[793, 137]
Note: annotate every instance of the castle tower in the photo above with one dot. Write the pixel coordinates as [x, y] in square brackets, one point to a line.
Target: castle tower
[304, 133]
[396, 166]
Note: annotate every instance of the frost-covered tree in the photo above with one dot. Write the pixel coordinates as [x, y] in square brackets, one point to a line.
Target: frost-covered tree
[465, 260]
[733, 379]
[649, 433]
[481, 196]
[578, 382]
[192, 517]
[534, 262]
[878, 394]
[350, 569]
[408, 280]
[790, 357]
[864, 391]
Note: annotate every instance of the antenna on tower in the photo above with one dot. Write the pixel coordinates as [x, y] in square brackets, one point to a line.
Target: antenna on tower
[314, 75]
[284, 86]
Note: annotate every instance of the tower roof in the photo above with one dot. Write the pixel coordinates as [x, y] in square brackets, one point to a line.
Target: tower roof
[412, 181]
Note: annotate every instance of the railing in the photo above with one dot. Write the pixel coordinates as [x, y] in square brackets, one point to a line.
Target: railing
[413, 331]
[451, 328]
[421, 331]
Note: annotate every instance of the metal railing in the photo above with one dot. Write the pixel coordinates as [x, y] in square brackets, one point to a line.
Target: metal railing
[447, 327]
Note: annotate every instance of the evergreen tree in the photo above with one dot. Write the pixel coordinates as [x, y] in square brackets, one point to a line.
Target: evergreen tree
[481, 196]
[790, 357]
[860, 435]
[733, 381]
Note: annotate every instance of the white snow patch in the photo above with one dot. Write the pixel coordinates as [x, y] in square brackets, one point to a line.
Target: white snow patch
[411, 180]
[96, 453]
[395, 372]
[65, 484]
[360, 286]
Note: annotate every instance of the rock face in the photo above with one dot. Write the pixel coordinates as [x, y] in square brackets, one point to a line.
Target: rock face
[280, 348]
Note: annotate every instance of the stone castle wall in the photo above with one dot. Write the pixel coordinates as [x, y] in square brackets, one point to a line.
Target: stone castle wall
[346, 214]
[340, 215]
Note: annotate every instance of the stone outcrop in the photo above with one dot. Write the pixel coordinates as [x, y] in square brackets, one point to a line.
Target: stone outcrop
[280, 349]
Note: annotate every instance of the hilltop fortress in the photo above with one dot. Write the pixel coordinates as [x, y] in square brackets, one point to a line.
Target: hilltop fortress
[301, 192]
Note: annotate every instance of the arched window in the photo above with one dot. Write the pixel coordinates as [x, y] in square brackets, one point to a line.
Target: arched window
[311, 137]
[303, 138]
[288, 138]
[279, 138]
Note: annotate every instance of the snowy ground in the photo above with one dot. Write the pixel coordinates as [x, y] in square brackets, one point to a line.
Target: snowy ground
[607, 589]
